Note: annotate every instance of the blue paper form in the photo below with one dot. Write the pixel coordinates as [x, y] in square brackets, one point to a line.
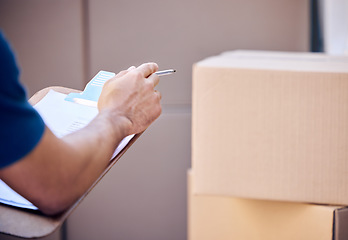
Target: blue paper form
[91, 93]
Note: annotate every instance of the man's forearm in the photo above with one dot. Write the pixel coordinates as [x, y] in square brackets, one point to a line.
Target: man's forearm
[59, 171]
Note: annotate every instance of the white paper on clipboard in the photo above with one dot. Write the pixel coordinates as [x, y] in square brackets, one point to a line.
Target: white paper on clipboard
[62, 117]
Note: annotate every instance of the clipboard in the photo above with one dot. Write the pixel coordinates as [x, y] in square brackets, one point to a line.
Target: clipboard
[28, 224]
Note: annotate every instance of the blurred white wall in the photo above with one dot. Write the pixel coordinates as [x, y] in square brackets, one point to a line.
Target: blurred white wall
[144, 195]
[335, 26]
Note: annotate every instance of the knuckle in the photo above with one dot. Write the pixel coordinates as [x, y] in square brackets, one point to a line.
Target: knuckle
[152, 67]
[108, 83]
[157, 103]
[136, 75]
[156, 79]
[159, 96]
[158, 110]
[149, 86]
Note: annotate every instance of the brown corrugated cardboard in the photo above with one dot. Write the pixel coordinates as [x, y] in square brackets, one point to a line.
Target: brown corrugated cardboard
[216, 217]
[271, 126]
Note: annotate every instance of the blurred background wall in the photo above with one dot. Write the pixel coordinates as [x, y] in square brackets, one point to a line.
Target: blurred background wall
[334, 15]
[47, 39]
[66, 42]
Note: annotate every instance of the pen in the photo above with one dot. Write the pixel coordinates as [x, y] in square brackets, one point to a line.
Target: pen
[165, 72]
[94, 103]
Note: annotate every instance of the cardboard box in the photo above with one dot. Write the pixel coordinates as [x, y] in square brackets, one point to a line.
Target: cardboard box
[226, 218]
[271, 126]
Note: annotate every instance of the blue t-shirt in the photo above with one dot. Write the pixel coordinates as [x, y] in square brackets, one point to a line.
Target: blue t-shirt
[21, 127]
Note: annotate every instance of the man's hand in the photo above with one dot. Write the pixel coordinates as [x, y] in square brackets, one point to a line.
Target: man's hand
[131, 100]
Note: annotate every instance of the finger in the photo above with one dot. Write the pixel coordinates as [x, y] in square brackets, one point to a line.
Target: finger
[154, 78]
[158, 94]
[147, 69]
[120, 74]
[131, 68]
[124, 72]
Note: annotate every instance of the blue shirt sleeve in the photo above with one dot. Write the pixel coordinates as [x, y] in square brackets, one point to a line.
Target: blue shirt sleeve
[21, 127]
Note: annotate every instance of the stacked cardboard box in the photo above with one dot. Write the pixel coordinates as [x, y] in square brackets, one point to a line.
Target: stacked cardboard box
[227, 218]
[272, 127]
